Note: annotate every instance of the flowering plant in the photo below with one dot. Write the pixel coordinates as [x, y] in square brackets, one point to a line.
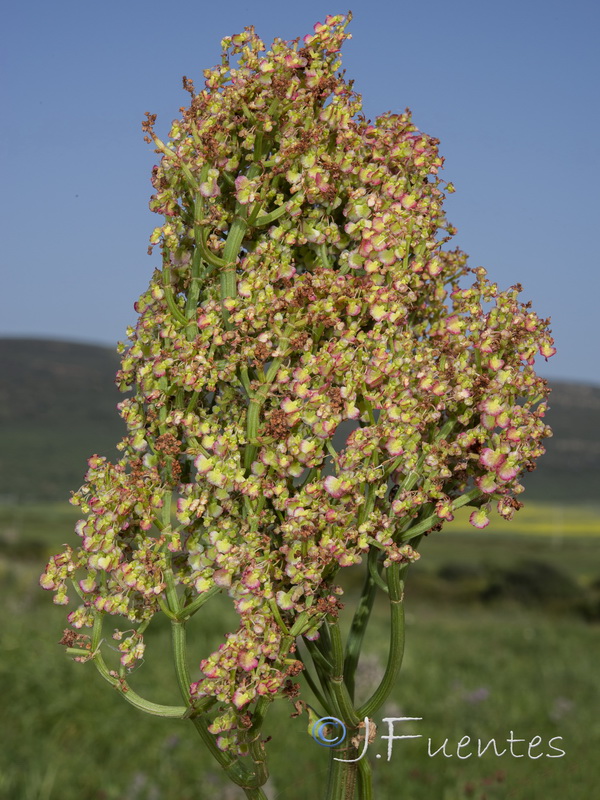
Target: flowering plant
[304, 283]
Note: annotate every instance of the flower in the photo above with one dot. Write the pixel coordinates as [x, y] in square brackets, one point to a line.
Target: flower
[305, 283]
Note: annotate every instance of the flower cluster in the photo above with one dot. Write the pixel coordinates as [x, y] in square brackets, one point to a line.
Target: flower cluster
[304, 284]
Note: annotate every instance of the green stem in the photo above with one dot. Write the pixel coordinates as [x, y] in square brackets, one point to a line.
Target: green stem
[187, 611]
[236, 771]
[155, 709]
[395, 574]
[359, 627]
[365, 782]
[170, 298]
[427, 523]
[313, 687]
[230, 254]
[342, 775]
[265, 219]
[208, 255]
[340, 691]
[258, 399]
[323, 670]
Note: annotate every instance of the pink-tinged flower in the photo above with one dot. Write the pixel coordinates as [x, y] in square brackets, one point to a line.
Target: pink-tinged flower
[444, 510]
[503, 420]
[46, 582]
[293, 60]
[493, 459]
[508, 471]
[334, 486]
[378, 312]
[488, 421]
[244, 289]
[322, 182]
[266, 66]
[210, 187]
[434, 267]
[216, 477]
[373, 378]
[513, 435]
[492, 406]
[355, 260]
[387, 257]
[289, 406]
[479, 518]
[284, 601]
[351, 411]
[244, 190]
[454, 324]
[242, 696]
[87, 585]
[247, 661]
[547, 350]
[222, 578]
[394, 446]
[267, 686]
[251, 579]
[203, 464]
[487, 483]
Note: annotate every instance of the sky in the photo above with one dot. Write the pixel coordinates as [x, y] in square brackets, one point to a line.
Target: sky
[510, 89]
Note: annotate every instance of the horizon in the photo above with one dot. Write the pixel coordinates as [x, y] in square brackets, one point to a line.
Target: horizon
[105, 346]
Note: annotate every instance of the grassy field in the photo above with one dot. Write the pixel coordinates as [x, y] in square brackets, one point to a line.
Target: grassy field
[484, 658]
[536, 518]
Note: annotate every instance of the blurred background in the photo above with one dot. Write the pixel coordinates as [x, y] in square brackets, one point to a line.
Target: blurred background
[502, 624]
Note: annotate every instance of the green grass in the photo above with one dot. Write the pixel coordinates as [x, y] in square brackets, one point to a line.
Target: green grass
[471, 669]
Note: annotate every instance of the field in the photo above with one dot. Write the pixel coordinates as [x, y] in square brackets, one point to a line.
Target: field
[502, 640]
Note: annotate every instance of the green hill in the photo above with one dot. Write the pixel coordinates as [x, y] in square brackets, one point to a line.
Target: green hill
[58, 407]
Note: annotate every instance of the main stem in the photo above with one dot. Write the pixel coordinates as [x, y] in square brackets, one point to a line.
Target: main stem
[349, 768]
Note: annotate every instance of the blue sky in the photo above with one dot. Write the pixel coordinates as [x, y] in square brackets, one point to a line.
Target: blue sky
[510, 89]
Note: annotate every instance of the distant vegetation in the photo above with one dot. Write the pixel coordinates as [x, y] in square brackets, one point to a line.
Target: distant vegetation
[58, 406]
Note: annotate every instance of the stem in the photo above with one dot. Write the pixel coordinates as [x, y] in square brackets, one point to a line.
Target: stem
[170, 298]
[230, 254]
[342, 766]
[187, 611]
[326, 710]
[365, 783]
[427, 523]
[395, 574]
[340, 691]
[359, 627]
[265, 219]
[233, 768]
[258, 399]
[236, 771]
[342, 775]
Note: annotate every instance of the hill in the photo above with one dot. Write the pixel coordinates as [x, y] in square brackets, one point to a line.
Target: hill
[58, 407]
